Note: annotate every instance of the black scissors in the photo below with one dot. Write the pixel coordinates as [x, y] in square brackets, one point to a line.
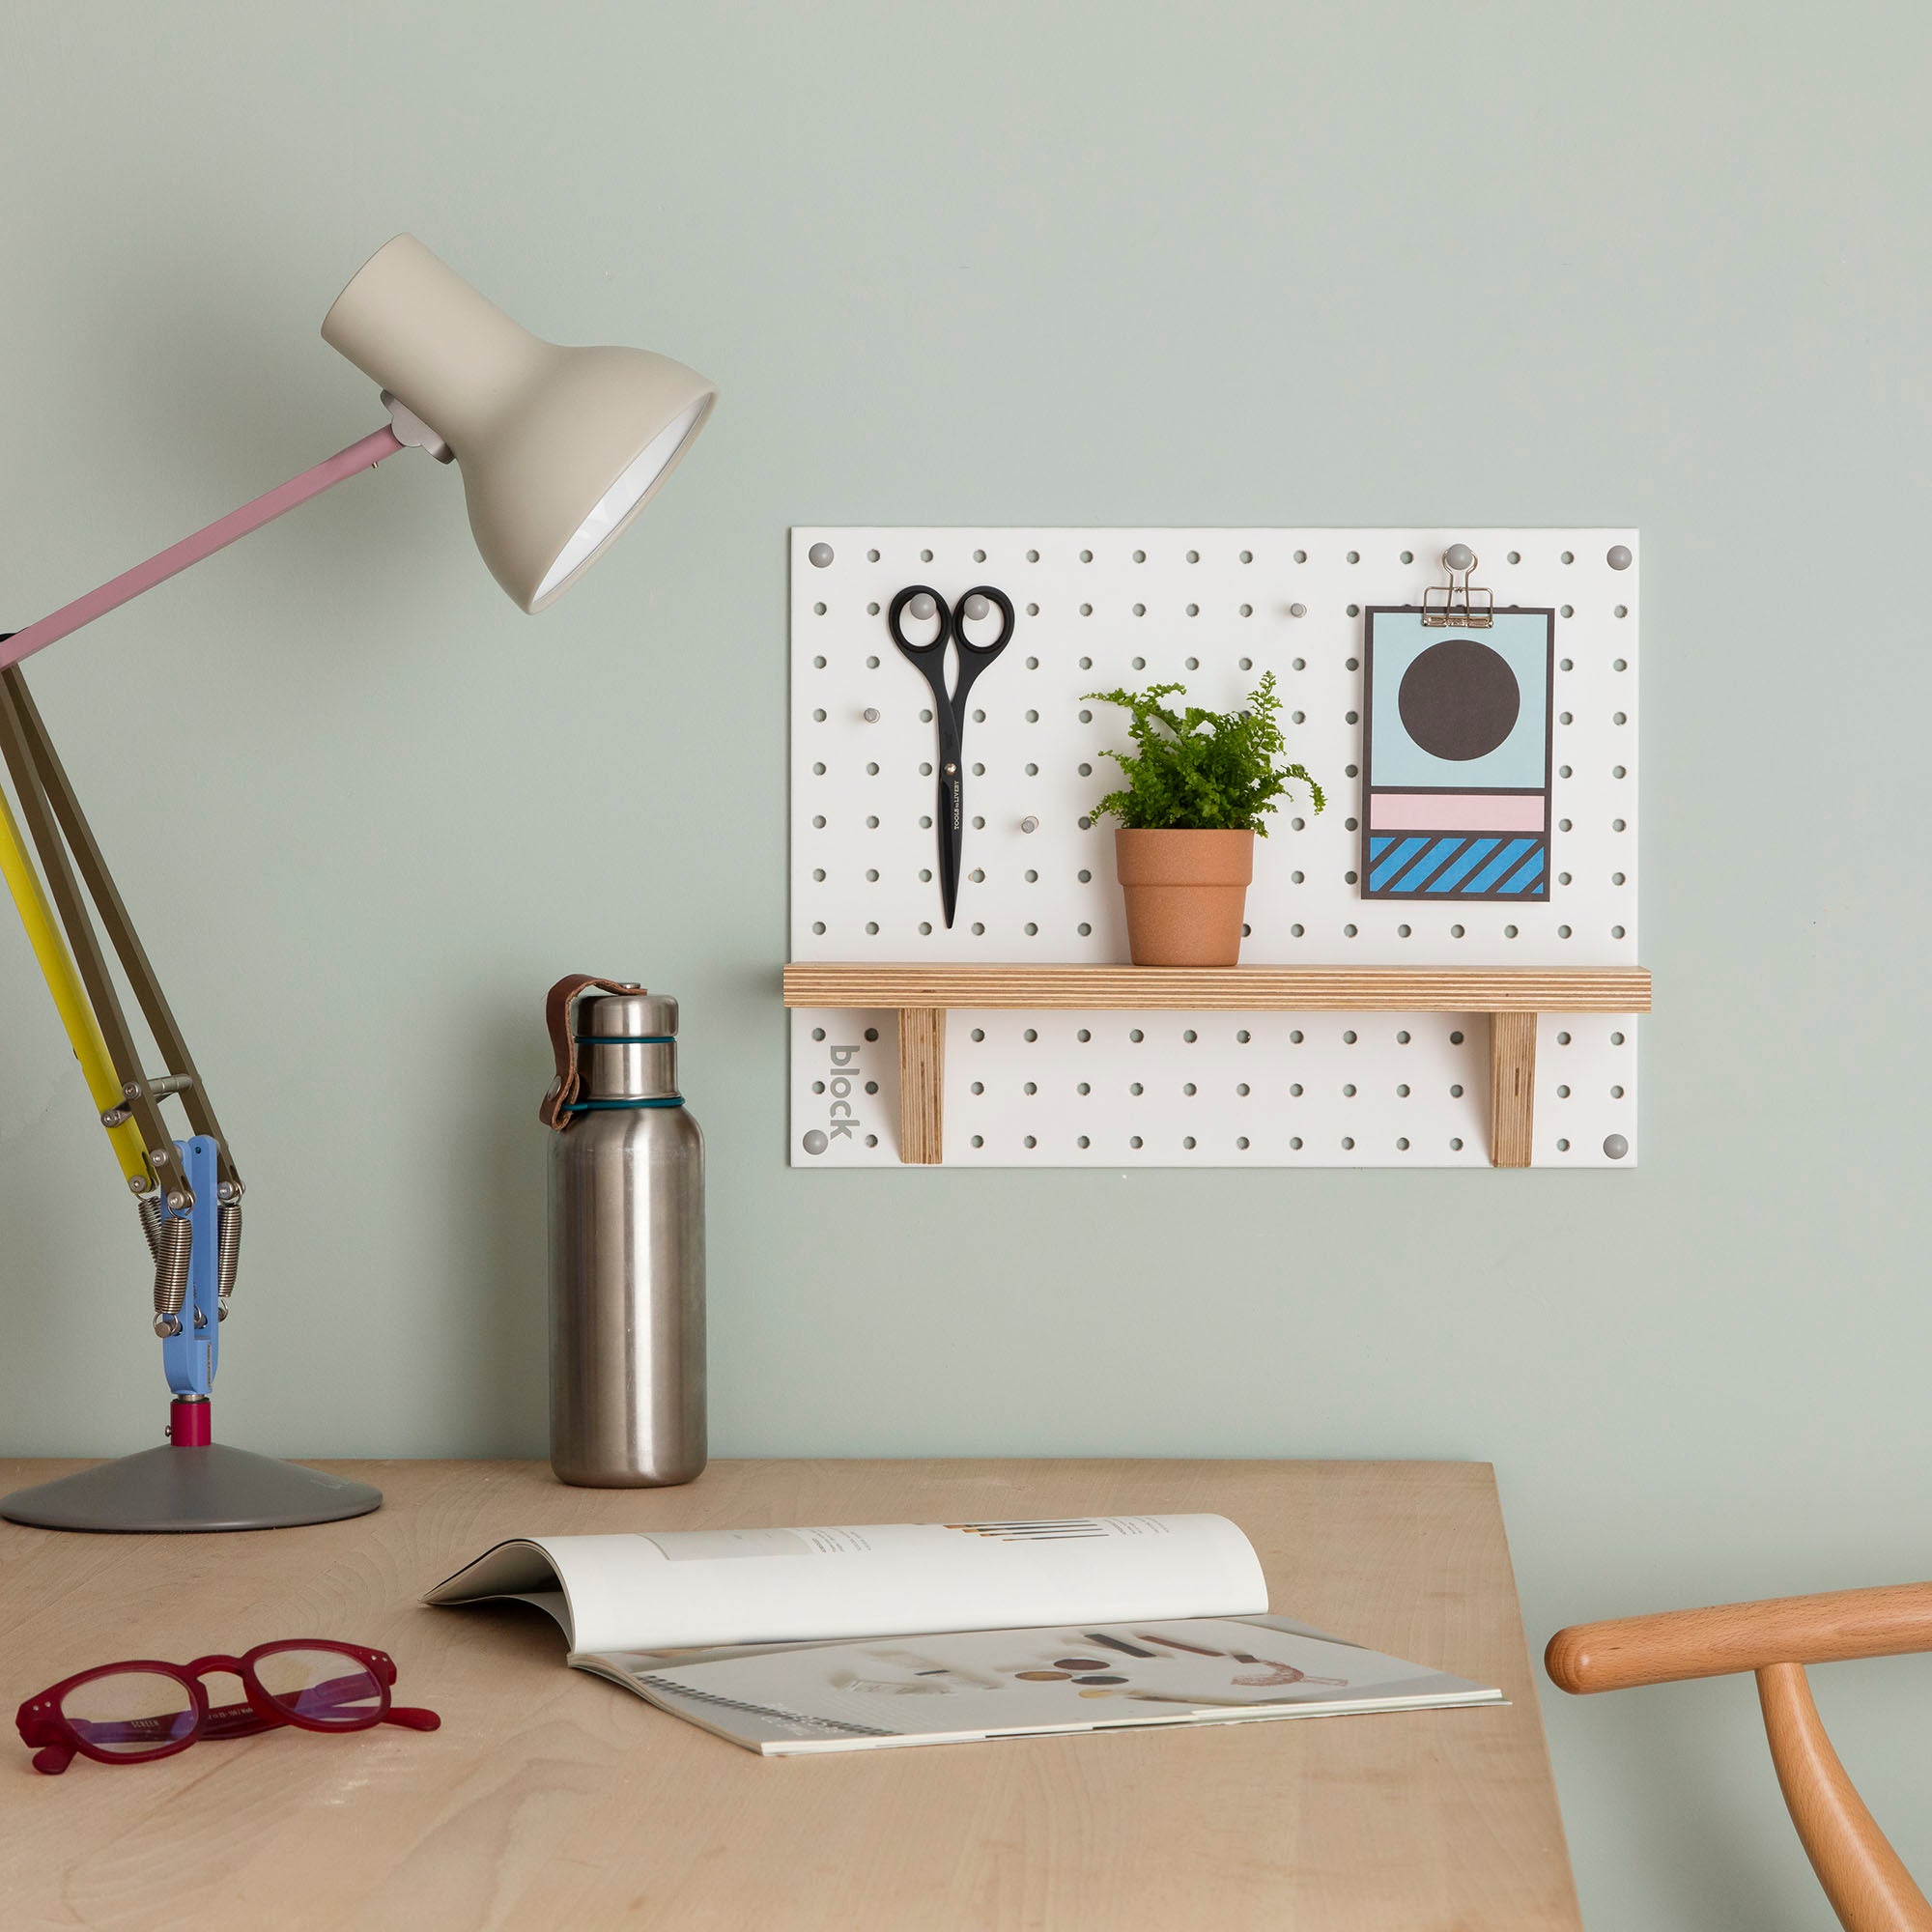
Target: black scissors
[950, 708]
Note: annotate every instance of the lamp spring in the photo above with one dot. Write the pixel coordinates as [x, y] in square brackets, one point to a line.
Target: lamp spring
[150, 1211]
[228, 1257]
[176, 1245]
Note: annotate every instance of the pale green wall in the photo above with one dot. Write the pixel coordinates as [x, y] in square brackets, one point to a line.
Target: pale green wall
[1261, 263]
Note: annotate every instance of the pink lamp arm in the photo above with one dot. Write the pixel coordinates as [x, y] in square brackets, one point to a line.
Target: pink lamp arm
[177, 557]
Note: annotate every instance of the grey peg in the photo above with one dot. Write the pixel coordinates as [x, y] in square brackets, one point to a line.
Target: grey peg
[1615, 1146]
[1459, 556]
[1618, 556]
[1028, 824]
[922, 606]
[976, 607]
[871, 714]
[821, 554]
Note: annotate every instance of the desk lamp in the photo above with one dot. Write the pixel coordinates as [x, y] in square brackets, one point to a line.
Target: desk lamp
[559, 449]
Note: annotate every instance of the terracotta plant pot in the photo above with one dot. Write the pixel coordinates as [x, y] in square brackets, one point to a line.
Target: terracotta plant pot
[1186, 892]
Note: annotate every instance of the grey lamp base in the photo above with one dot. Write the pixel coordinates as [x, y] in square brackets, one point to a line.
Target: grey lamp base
[182, 1490]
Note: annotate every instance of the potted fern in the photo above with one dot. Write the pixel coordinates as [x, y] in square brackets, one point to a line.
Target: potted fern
[1199, 787]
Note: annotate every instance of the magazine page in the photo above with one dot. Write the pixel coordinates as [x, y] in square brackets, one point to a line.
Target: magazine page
[673, 1589]
[970, 1685]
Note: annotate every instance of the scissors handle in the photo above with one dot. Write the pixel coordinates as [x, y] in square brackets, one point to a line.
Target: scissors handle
[942, 637]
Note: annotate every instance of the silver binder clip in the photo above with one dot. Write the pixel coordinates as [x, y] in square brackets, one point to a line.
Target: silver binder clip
[1457, 606]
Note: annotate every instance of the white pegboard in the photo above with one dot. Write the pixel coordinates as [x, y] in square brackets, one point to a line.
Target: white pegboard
[1212, 609]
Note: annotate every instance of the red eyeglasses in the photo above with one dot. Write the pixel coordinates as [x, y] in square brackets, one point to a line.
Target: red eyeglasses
[129, 1712]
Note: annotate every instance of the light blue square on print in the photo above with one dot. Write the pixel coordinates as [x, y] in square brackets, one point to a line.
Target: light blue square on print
[1521, 640]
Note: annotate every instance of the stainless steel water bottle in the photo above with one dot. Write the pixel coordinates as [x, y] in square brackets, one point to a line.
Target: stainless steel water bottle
[626, 1243]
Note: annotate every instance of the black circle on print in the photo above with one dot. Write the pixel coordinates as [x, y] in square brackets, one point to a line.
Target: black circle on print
[1078, 1664]
[1458, 700]
[1109, 1678]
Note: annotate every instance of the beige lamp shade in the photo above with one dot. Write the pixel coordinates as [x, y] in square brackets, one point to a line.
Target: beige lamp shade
[560, 448]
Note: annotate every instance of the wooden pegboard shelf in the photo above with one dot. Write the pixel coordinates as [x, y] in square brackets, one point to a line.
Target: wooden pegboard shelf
[923, 992]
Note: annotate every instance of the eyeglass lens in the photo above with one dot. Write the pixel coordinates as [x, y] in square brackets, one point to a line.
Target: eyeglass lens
[129, 1712]
[321, 1687]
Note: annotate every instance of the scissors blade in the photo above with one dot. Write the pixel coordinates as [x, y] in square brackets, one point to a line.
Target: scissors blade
[951, 819]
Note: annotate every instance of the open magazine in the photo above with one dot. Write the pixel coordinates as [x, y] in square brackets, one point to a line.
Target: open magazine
[821, 1640]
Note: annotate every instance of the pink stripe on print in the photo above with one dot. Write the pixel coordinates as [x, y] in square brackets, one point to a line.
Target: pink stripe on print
[1456, 812]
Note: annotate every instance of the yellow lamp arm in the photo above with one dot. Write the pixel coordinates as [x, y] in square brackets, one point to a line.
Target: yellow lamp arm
[57, 968]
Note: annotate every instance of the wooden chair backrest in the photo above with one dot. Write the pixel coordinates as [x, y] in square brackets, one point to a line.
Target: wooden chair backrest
[1866, 1880]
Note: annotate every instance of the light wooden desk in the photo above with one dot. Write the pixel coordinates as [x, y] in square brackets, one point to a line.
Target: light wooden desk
[552, 1799]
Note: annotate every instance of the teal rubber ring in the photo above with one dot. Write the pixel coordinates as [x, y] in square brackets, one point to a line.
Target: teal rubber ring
[620, 1106]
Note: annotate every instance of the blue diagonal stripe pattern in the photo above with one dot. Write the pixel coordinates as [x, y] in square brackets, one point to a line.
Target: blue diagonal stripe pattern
[1456, 864]
[1510, 856]
[1384, 868]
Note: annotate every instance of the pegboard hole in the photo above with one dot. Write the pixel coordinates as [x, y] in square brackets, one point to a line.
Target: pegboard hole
[1133, 1140]
[1562, 1040]
[1402, 1092]
[1566, 664]
[1404, 931]
[1140, 556]
[1616, 1040]
[1616, 878]
[1454, 1144]
[1140, 664]
[1566, 611]
[1456, 1038]
[1033, 556]
[1083, 930]
[1298, 611]
[1083, 1087]
[1085, 557]
[1408, 556]
[1033, 609]
[1086, 609]
[1083, 1036]
[1297, 931]
[979, 1140]
[1402, 1037]
[1135, 1035]
[1348, 1143]
[1616, 932]
[1620, 611]
[1567, 557]
[1455, 1091]
[1083, 1141]
[1515, 556]
[818, 925]
[1241, 1088]
[1187, 1088]
[1616, 1093]
[1031, 1087]
[1294, 1036]
[1348, 932]
[1295, 1090]
[1193, 664]
[1354, 609]
[1354, 557]
[1620, 664]
[818, 664]
[979, 1034]
[1247, 556]
[979, 930]
[1301, 556]
[818, 874]
[1241, 1142]
[871, 556]
[1348, 1092]
[1194, 556]
[1563, 1093]
[1031, 929]
[1455, 932]
[1563, 932]
[1402, 1146]
[1134, 1087]
[871, 1033]
[1294, 1142]
[871, 664]
[1140, 609]
[925, 556]
[1562, 1146]
[819, 822]
[925, 927]
[979, 1086]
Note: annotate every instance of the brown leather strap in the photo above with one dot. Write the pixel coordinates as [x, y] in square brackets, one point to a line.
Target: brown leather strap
[558, 1006]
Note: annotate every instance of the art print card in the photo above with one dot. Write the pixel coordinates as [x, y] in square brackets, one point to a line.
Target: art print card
[1456, 756]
